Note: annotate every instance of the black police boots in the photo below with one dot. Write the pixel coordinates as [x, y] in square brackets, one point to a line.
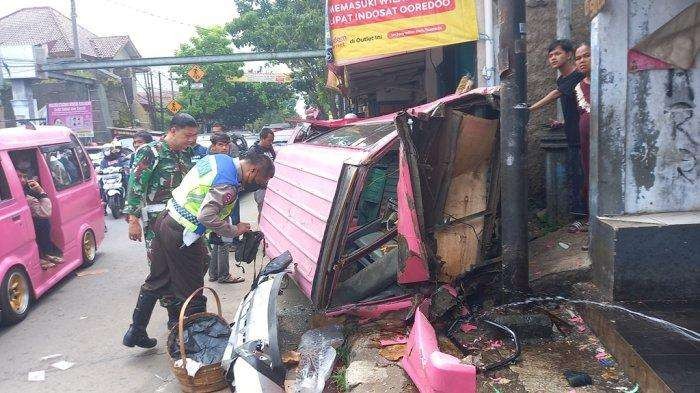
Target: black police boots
[173, 315]
[136, 335]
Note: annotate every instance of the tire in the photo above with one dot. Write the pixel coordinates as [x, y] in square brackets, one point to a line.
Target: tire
[15, 296]
[88, 245]
[116, 212]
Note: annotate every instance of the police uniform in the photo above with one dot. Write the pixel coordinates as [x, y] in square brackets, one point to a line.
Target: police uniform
[201, 204]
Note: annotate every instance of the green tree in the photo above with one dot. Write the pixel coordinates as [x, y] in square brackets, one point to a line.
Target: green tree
[287, 25]
[234, 104]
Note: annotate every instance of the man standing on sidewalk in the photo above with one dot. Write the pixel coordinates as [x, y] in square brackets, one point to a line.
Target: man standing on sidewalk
[158, 168]
[264, 147]
[219, 258]
[560, 55]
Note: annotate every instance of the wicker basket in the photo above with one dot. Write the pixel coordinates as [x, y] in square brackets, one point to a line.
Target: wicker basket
[209, 378]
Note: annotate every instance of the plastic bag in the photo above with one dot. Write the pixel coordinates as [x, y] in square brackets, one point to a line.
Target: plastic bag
[205, 340]
[317, 352]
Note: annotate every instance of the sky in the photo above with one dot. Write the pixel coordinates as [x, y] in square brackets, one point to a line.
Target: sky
[156, 27]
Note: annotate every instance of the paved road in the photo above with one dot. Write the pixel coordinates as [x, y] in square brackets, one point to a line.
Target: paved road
[84, 318]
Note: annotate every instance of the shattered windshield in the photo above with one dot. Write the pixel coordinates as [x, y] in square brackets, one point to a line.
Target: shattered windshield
[357, 136]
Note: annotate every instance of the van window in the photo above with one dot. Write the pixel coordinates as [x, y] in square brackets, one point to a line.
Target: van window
[4, 187]
[85, 163]
[64, 166]
[358, 136]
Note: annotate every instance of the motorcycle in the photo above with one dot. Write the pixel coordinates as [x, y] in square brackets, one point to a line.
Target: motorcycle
[113, 189]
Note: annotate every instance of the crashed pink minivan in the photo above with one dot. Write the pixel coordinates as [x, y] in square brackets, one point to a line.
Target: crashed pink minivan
[365, 213]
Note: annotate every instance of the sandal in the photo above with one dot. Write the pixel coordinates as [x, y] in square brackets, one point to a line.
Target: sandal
[231, 280]
[46, 265]
[53, 258]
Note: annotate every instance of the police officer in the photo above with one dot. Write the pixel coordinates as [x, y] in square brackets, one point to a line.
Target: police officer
[202, 203]
[157, 169]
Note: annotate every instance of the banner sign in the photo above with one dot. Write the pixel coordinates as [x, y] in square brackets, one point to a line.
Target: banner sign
[75, 115]
[261, 77]
[366, 29]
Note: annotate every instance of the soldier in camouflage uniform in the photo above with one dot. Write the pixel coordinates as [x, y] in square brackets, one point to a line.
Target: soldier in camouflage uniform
[158, 168]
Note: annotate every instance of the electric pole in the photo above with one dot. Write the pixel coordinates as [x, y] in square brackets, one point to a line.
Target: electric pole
[74, 20]
[160, 92]
[513, 117]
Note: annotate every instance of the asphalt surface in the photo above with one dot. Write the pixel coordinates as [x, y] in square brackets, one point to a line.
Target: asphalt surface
[83, 319]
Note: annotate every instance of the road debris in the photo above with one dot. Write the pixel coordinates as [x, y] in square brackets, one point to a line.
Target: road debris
[54, 356]
[36, 376]
[393, 352]
[400, 339]
[577, 379]
[291, 358]
[94, 272]
[317, 351]
[63, 365]
[564, 246]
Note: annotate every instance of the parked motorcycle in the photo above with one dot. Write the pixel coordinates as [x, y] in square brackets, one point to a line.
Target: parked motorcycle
[113, 189]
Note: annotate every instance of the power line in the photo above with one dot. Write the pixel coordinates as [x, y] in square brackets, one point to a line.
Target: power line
[149, 13]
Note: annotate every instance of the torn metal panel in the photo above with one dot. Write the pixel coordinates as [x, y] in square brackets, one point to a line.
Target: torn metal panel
[433, 371]
[459, 243]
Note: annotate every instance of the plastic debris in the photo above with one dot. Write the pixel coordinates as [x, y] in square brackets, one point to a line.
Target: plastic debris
[95, 272]
[317, 353]
[36, 376]
[291, 358]
[400, 339]
[192, 366]
[564, 245]
[494, 344]
[467, 327]
[393, 352]
[576, 378]
[634, 389]
[83, 317]
[205, 340]
[578, 321]
[54, 356]
[501, 381]
[603, 358]
[63, 365]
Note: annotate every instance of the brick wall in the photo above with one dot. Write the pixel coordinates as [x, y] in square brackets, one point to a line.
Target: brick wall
[541, 30]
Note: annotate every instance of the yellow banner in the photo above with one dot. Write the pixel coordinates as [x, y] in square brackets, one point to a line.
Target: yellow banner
[366, 29]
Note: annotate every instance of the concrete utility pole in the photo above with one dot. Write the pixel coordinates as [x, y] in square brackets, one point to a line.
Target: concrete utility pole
[160, 92]
[74, 20]
[514, 117]
[563, 32]
[564, 19]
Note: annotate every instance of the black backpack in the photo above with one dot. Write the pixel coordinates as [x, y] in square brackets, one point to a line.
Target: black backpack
[247, 249]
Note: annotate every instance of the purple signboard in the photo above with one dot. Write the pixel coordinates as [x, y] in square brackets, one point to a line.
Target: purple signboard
[75, 115]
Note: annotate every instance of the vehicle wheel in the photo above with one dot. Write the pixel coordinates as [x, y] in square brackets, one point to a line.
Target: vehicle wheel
[89, 246]
[15, 296]
[116, 212]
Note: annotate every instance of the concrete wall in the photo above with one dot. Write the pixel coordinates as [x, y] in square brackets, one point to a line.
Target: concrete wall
[644, 133]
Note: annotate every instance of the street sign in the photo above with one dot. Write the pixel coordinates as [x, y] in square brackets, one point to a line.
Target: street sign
[197, 86]
[174, 107]
[196, 73]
